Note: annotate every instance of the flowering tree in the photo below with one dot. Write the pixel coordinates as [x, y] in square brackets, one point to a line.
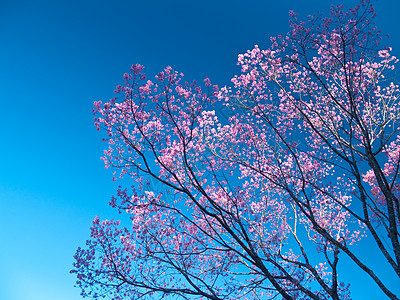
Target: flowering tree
[267, 202]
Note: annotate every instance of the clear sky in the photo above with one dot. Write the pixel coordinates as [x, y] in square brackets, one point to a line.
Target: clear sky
[56, 58]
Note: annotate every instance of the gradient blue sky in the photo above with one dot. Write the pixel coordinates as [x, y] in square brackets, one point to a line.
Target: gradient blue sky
[56, 58]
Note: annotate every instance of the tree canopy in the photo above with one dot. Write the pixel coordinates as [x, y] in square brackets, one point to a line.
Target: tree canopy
[262, 186]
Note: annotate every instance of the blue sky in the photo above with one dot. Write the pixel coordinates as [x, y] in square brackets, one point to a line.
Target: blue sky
[56, 58]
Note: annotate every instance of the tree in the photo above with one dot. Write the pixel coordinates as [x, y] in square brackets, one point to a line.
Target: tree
[267, 202]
